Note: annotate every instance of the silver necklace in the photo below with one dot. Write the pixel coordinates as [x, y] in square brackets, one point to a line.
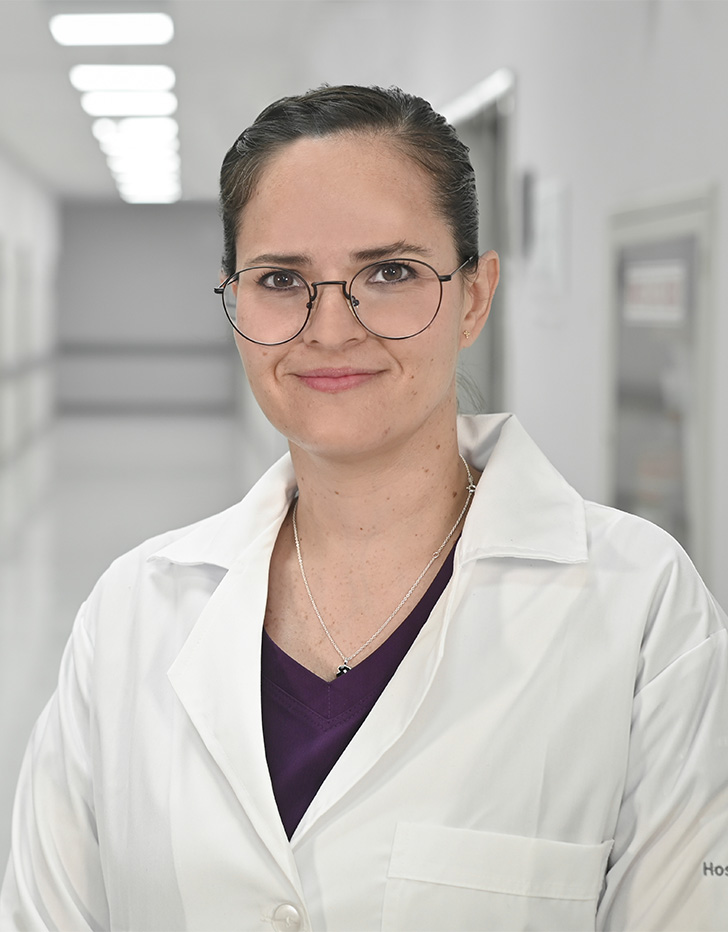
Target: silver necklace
[345, 666]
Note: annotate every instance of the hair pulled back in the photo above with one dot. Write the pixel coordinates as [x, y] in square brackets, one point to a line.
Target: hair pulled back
[406, 121]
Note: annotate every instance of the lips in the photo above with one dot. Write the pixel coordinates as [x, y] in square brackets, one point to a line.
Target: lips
[335, 380]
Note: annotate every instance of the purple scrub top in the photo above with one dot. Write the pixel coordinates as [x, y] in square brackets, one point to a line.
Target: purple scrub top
[308, 722]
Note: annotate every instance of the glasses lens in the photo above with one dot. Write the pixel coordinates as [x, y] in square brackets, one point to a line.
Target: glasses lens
[267, 305]
[396, 298]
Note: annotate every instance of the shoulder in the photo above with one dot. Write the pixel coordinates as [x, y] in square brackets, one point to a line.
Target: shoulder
[169, 577]
[648, 574]
[141, 558]
[217, 540]
[141, 594]
[630, 547]
[639, 540]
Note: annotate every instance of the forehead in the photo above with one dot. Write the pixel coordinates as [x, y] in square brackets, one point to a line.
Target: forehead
[347, 158]
[353, 190]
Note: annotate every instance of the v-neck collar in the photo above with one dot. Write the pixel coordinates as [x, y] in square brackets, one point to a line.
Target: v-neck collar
[330, 699]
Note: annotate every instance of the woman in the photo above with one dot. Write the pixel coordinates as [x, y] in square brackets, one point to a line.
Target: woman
[370, 696]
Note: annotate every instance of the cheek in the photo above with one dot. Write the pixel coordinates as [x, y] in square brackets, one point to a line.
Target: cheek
[258, 366]
[447, 339]
[431, 372]
[245, 358]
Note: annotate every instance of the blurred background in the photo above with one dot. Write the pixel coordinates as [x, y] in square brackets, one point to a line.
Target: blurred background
[601, 146]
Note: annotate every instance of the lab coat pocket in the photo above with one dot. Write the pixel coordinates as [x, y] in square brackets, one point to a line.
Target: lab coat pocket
[456, 879]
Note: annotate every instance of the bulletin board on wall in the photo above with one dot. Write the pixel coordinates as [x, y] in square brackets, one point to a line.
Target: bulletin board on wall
[661, 335]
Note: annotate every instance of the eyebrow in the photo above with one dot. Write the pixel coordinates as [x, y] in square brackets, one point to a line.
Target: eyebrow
[391, 251]
[285, 260]
[388, 251]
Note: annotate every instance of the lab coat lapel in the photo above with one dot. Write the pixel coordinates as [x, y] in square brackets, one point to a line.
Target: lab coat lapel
[388, 720]
[217, 679]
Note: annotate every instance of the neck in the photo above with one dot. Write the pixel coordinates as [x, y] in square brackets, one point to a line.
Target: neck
[406, 493]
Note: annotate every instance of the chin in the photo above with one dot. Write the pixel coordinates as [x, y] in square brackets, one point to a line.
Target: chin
[345, 445]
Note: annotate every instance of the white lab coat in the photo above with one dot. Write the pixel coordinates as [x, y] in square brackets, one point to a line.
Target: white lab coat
[552, 753]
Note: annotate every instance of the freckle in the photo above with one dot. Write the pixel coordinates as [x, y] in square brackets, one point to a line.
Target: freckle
[437, 447]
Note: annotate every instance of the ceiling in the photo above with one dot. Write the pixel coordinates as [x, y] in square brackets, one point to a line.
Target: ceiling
[231, 58]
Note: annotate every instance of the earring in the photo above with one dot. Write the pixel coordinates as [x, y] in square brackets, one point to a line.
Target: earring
[466, 334]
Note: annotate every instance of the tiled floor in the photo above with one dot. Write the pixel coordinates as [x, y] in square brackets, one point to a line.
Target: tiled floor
[81, 496]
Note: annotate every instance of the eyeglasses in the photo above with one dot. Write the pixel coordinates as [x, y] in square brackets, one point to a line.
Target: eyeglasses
[394, 299]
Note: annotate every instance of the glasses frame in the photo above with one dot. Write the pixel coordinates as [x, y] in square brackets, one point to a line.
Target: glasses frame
[352, 303]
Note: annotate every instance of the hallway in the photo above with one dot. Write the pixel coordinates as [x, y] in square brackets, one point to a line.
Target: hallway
[90, 490]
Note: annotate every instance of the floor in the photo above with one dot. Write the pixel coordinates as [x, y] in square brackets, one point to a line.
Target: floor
[76, 499]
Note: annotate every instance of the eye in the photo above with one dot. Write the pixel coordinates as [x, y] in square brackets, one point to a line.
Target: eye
[279, 280]
[392, 272]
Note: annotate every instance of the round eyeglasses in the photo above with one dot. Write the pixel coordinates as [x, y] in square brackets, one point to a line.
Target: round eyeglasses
[394, 299]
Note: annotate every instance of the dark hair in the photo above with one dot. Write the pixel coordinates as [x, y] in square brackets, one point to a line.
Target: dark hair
[407, 121]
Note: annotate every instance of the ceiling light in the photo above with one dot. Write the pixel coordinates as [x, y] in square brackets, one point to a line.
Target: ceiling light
[129, 103]
[122, 78]
[120, 145]
[112, 29]
[142, 156]
[151, 194]
[151, 185]
[153, 197]
[133, 162]
[159, 129]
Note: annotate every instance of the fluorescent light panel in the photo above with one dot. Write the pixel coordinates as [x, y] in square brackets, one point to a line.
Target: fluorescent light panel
[112, 29]
[122, 77]
[142, 157]
[138, 196]
[120, 147]
[137, 128]
[129, 103]
[142, 148]
[135, 163]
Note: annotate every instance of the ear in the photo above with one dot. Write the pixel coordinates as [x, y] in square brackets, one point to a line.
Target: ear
[479, 297]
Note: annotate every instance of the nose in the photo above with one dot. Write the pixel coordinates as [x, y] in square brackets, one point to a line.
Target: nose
[329, 325]
[350, 300]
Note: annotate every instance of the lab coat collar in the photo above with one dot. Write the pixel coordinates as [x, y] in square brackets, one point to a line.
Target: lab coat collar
[523, 506]
[218, 541]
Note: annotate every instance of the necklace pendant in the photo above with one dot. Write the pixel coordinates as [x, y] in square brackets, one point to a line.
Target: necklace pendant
[344, 668]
